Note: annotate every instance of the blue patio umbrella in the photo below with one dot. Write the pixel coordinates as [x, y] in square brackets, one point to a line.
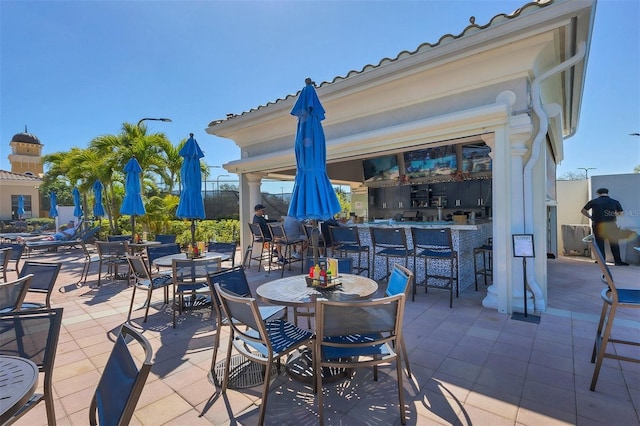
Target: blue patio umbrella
[77, 205]
[313, 196]
[20, 206]
[98, 208]
[53, 211]
[191, 205]
[132, 203]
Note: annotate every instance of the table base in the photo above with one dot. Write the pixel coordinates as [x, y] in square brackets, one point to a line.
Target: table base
[243, 373]
[300, 366]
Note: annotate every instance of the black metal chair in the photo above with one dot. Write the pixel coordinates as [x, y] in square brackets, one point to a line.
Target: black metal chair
[613, 298]
[113, 254]
[143, 280]
[160, 250]
[113, 238]
[225, 248]
[5, 255]
[190, 278]
[17, 249]
[358, 334]
[287, 246]
[401, 282]
[322, 244]
[346, 242]
[484, 269]
[235, 281]
[259, 341]
[166, 238]
[12, 294]
[44, 279]
[263, 242]
[33, 334]
[121, 382]
[389, 243]
[435, 247]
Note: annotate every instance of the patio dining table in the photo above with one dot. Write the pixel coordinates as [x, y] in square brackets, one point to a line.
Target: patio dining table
[166, 261]
[293, 291]
[18, 382]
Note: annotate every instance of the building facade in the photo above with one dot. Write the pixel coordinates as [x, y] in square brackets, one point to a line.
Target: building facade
[513, 85]
[24, 178]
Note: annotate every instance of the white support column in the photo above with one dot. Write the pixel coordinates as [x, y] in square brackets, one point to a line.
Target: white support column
[249, 196]
[499, 292]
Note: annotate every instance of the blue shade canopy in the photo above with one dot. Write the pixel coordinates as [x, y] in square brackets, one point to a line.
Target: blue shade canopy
[53, 211]
[20, 206]
[132, 203]
[77, 205]
[98, 208]
[313, 196]
[191, 205]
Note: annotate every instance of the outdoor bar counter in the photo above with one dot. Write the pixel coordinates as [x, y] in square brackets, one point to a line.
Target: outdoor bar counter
[465, 238]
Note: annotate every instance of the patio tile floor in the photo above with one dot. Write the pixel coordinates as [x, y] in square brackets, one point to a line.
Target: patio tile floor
[470, 365]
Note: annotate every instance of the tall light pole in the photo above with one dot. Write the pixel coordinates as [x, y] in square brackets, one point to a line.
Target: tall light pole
[166, 120]
[586, 171]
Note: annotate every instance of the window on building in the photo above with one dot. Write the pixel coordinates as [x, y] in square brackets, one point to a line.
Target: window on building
[27, 206]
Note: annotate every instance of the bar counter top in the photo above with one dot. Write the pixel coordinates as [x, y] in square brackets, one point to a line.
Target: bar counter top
[439, 224]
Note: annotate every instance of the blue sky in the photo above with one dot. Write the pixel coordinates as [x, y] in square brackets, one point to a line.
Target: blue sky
[74, 70]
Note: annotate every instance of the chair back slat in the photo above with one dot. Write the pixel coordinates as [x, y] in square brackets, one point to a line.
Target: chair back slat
[139, 267]
[45, 275]
[224, 248]
[12, 293]
[400, 281]
[34, 334]
[242, 310]
[154, 252]
[233, 280]
[122, 381]
[434, 239]
[112, 248]
[606, 272]
[112, 238]
[362, 318]
[388, 237]
[188, 271]
[344, 235]
[166, 238]
[258, 235]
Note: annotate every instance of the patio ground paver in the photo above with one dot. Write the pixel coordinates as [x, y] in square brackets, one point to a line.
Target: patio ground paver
[470, 365]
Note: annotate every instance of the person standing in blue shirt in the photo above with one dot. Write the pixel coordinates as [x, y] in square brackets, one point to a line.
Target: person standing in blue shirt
[604, 212]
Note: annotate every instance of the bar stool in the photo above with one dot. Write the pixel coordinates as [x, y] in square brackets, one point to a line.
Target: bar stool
[486, 251]
[264, 242]
[389, 242]
[346, 241]
[435, 246]
[287, 245]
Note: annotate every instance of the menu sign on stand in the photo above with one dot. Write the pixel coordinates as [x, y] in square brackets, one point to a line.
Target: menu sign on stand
[523, 247]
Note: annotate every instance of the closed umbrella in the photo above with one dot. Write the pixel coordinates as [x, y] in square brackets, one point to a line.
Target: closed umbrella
[77, 205]
[98, 208]
[132, 203]
[53, 199]
[20, 206]
[191, 205]
[313, 196]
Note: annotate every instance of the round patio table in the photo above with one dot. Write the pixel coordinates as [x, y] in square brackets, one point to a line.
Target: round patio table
[18, 382]
[293, 291]
[138, 247]
[168, 259]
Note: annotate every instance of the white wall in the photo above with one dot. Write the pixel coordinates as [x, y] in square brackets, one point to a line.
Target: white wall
[624, 188]
[572, 196]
